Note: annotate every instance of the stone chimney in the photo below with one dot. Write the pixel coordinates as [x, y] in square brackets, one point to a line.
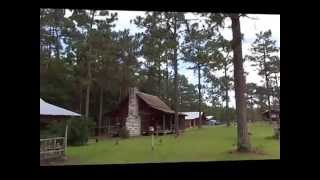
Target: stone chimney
[133, 121]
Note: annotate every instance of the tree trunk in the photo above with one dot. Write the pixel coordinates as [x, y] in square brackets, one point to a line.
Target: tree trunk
[50, 46]
[80, 104]
[120, 95]
[252, 117]
[167, 79]
[227, 96]
[213, 100]
[159, 79]
[88, 91]
[278, 87]
[175, 64]
[89, 74]
[100, 111]
[57, 44]
[200, 99]
[240, 86]
[266, 78]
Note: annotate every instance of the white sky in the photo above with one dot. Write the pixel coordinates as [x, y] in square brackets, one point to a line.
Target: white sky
[249, 28]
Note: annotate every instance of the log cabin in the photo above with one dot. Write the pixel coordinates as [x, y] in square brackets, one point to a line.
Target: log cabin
[139, 111]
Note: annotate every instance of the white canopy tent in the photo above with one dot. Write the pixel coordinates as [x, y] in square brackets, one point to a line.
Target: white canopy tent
[52, 110]
[47, 109]
[210, 117]
[192, 115]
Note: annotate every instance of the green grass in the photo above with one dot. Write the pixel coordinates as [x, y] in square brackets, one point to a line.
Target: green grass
[206, 144]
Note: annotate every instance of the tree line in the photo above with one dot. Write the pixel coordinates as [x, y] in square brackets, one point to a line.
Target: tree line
[88, 66]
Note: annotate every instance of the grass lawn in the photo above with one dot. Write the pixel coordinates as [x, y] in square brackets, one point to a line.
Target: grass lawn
[206, 144]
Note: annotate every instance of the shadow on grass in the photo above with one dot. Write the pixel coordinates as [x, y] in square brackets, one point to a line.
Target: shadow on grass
[253, 151]
[272, 138]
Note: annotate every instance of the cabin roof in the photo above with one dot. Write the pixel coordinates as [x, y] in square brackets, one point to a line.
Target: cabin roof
[155, 102]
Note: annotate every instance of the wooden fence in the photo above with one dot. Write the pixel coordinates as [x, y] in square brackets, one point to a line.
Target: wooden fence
[52, 148]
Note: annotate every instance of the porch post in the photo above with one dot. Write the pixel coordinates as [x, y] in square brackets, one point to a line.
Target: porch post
[163, 122]
[66, 139]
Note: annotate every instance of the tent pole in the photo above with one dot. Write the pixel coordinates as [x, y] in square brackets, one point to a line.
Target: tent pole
[65, 139]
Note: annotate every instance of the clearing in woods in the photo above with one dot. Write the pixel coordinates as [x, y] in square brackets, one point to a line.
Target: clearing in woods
[214, 143]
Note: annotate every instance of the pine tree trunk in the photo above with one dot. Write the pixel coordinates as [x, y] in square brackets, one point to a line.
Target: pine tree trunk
[57, 44]
[100, 111]
[252, 117]
[80, 103]
[267, 79]
[167, 80]
[200, 99]
[120, 95]
[89, 74]
[227, 96]
[50, 47]
[240, 86]
[159, 80]
[88, 91]
[213, 101]
[268, 93]
[175, 63]
[277, 85]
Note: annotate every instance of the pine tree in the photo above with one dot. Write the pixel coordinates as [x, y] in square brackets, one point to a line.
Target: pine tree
[264, 56]
[240, 85]
[195, 51]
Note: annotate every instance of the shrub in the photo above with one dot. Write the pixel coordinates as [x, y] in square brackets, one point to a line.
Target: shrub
[54, 129]
[124, 133]
[79, 130]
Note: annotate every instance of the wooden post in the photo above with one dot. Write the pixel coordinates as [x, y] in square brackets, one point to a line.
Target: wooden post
[54, 145]
[170, 123]
[151, 129]
[66, 139]
[152, 141]
[163, 123]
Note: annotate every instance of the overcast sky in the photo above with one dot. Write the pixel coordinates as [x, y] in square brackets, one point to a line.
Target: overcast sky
[249, 27]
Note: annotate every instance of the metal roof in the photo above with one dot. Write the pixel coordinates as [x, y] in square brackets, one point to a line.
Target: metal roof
[52, 110]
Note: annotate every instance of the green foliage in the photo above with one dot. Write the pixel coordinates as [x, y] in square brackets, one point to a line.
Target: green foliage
[78, 130]
[264, 55]
[54, 129]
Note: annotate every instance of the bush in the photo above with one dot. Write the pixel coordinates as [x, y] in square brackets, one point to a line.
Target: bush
[79, 130]
[124, 133]
[54, 129]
